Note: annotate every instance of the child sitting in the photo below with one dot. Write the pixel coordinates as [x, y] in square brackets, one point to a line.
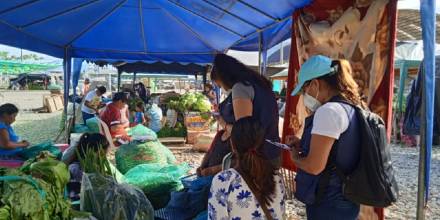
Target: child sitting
[137, 115]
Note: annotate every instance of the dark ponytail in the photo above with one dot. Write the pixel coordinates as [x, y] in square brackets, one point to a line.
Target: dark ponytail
[247, 137]
[8, 109]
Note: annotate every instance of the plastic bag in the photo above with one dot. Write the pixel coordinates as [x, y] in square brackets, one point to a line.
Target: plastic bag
[80, 129]
[157, 181]
[108, 200]
[142, 133]
[35, 150]
[93, 125]
[136, 153]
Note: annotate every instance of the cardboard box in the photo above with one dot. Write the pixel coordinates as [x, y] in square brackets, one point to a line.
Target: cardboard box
[58, 102]
[49, 103]
[192, 136]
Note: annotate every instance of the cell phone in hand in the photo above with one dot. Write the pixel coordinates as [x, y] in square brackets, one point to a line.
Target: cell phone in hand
[279, 145]
[215, 114]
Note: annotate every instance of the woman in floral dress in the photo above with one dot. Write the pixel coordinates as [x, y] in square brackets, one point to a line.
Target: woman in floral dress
[253, 189]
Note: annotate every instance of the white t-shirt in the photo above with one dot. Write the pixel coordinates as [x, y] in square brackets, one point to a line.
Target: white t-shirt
[94, 100]
[330, 120]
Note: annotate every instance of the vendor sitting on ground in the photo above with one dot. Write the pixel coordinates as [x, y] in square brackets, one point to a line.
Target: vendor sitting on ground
[8, 139]
[137, 116]
[112, 116]
[97, 142]
[92, 103]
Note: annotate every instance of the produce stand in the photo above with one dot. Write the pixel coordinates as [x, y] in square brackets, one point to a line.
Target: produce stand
[191, 116]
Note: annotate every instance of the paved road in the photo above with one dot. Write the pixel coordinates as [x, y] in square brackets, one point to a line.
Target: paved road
[24, 100]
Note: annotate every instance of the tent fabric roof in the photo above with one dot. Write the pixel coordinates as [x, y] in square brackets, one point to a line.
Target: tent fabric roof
[156, 30]
[409, 25]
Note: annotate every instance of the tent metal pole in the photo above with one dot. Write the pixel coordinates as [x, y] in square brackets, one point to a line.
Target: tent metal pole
[134, 79]
[67, 64]
[119, 80]
[260, 50]
[422, 159]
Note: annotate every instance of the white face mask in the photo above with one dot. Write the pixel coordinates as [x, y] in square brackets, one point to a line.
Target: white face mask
[310, 102]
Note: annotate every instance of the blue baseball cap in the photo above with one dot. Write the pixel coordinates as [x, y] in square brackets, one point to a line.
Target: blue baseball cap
[314, 67]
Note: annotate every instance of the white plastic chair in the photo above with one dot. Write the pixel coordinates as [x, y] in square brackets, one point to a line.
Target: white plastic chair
[104, 130]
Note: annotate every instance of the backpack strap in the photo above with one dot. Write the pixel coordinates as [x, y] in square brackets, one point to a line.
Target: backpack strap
[330, 167]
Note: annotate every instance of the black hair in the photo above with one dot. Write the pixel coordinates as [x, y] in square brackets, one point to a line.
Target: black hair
[120, 96]
[8, 109]
[231, 71]
[102, 89]
[93, 141]
[247, 138]
[140, 104]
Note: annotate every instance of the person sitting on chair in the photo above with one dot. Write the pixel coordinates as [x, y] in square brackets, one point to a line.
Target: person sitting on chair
[112, 116]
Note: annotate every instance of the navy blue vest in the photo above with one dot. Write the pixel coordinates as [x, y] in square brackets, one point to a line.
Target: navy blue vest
[265, 109]
[347, 157]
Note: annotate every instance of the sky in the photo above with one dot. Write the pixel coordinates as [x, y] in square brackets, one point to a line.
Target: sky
[402, 4]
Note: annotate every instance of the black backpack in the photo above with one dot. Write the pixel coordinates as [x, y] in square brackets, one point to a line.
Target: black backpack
[372, 182]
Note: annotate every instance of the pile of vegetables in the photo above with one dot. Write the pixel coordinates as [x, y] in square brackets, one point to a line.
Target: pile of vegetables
[190, 102]
[35, 191]
[105, 197]
[178, 131]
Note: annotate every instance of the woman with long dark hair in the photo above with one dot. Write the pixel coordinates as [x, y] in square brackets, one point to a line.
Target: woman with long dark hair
[331, 136]
[250, 94]
[252, 189]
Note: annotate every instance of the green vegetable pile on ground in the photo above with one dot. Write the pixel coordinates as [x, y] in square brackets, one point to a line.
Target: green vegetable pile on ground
[157, 181]
[135, 153]
[36, 192]
[178, 131]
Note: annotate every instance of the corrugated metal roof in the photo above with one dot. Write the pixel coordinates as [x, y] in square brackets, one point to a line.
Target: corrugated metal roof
[409, 25]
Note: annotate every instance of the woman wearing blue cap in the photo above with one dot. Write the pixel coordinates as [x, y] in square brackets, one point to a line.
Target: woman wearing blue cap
[331, 137]
[250, 94]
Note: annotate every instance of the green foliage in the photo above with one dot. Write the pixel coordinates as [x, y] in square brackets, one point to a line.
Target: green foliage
[37, 193]
[190, 102]
[95, 162]
[178, 131]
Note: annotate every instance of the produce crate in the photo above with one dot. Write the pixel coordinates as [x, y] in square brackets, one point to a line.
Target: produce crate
[195, 122]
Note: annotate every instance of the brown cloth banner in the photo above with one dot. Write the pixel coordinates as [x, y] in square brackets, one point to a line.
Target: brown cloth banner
[361, 31]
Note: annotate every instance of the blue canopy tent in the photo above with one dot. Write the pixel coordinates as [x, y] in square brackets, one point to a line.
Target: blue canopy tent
[158, 30]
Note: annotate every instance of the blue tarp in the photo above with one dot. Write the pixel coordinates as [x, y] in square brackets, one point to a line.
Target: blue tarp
[156, 30]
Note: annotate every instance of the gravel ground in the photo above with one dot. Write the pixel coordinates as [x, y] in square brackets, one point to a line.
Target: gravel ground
[39, 127]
